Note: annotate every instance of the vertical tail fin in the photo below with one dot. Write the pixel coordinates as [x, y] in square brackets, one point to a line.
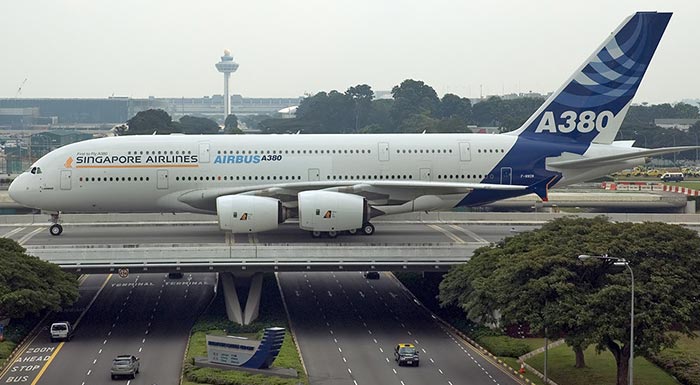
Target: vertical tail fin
[591, 105]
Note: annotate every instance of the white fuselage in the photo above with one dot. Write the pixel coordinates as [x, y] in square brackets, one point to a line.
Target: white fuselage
[150, 173]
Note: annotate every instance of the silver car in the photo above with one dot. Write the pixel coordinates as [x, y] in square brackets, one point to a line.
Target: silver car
[125, 365]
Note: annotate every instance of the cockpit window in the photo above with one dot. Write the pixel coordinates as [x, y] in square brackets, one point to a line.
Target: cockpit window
[35, 170]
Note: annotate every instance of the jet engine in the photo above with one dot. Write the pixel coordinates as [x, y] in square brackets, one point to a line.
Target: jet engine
[249, 214]
[331, 211]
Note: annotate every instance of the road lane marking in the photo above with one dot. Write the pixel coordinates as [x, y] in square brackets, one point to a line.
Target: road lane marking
[30, 235]
[470, 233]
[448, 234]
[13, 232]
[46, 366]
[77, 322]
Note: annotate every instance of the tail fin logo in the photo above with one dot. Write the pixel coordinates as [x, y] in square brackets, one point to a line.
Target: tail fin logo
[69, 162]
[587, 121]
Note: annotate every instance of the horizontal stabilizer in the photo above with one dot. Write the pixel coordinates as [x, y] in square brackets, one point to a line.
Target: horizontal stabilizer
[601, 160]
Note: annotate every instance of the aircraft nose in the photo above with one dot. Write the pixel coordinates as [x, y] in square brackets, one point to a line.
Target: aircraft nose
[17, 187]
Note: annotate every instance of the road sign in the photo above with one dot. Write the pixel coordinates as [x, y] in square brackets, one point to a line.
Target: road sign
[124, 272]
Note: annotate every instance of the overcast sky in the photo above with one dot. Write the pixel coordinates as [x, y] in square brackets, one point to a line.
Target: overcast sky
[168, 48]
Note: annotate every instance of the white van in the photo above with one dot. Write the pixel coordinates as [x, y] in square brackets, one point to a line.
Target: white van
[61, 331]
[672, 177]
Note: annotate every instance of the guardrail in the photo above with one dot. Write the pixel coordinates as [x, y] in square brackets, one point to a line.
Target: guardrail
[273, 257]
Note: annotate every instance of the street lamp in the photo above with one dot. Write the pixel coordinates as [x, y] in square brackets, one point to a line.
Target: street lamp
[622, 262]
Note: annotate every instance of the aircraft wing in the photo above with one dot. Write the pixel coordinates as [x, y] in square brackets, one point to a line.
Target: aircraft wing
[377, 192]
[604, 160]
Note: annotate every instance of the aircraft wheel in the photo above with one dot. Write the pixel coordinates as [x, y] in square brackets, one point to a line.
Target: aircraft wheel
[332, 234]
[352, 231]
[56, 230]
[368, 229]
[316, 234]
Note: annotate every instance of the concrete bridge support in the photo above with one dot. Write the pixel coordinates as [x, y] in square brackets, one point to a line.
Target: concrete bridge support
[242, 284]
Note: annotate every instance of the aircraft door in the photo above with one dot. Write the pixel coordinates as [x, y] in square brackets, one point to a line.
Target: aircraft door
[314, 174]
[506, 175]
[383, 148]
[65, 179]
[162, 179]
[425, 174]
[465, 153]
[204, 151]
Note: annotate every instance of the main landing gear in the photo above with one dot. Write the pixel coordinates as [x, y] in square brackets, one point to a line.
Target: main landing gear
[366, 229]
[56, 229]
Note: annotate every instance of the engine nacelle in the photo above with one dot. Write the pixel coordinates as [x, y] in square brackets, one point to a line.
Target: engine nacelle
[331, 211]
[248, 214]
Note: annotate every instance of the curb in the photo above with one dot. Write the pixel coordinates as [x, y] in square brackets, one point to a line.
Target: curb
[291, 326]
[189, 336]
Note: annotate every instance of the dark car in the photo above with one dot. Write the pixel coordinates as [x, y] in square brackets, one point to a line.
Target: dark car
[126, 366]
[371, 274]
[175, 275]
[406, 354]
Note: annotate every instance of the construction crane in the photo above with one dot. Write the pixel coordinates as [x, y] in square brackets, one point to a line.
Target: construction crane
[19, 90]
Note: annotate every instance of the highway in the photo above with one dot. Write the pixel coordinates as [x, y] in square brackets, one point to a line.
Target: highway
[142, 314]
[146, 315]
[347, 327]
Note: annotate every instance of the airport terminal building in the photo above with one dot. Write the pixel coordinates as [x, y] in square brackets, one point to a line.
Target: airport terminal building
[22, 113]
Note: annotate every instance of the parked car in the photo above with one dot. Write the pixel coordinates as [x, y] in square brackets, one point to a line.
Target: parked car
[672, 177]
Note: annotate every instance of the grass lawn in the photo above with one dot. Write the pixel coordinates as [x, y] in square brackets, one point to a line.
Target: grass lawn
[689, 184]
[600, 368]
[215, 322]
[513, 363]
[6, 348]
[287, 358]
[683, 360]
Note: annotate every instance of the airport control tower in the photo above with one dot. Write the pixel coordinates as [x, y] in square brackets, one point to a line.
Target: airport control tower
[227, 66]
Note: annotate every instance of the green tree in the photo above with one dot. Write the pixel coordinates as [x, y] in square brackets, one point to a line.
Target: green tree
[231, 125]
[149, 121]
[413, 97]
[361, 95]
[507, 114]
[535, 277]
[195, 125]
[29, 285]
[453, 106]
[331, 112]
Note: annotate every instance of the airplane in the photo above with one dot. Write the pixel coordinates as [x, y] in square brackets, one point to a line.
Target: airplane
[338, 183]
